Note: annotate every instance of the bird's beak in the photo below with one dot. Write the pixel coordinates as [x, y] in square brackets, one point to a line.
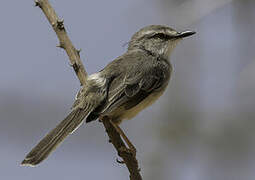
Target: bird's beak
[185, 34]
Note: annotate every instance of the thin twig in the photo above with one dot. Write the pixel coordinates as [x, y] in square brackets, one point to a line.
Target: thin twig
[74, 56]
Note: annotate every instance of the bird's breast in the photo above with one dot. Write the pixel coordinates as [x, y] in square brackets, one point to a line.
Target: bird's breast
[128, 114]
[121, 113]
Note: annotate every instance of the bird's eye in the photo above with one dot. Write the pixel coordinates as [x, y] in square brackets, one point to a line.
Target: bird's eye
[161, 36]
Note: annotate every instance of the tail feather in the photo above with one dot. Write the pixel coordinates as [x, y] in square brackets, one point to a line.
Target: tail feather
[49, 143]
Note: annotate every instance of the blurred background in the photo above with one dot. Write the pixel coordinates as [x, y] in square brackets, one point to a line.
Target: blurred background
[203, 127]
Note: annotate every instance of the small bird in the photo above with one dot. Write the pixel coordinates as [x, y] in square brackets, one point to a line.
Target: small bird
[121, 90]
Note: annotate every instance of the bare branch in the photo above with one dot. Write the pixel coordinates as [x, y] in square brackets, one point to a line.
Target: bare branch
[65, 42]
[126, 154]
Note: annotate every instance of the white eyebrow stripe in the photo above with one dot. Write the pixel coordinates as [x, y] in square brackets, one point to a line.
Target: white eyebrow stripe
[148, 32]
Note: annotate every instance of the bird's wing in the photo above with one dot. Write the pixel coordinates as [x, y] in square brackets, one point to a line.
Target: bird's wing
[91, 95]
[134, 85]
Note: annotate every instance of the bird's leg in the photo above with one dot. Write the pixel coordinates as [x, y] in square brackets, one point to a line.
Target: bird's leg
[125, 138]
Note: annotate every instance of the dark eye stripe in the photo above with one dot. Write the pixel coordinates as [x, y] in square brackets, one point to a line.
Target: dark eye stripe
[161, 36]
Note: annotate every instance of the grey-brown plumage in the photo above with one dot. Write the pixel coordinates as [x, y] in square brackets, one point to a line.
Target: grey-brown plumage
[54, 138]
[122, 89]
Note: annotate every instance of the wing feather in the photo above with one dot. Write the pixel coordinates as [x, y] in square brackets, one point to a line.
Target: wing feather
[135, 86]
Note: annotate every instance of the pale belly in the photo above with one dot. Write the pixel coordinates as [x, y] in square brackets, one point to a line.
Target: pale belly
[121, 113]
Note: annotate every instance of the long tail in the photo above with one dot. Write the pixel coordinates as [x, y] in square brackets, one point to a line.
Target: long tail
[49, 143]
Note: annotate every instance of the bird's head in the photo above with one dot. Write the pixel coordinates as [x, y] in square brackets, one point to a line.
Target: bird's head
[157, 39]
